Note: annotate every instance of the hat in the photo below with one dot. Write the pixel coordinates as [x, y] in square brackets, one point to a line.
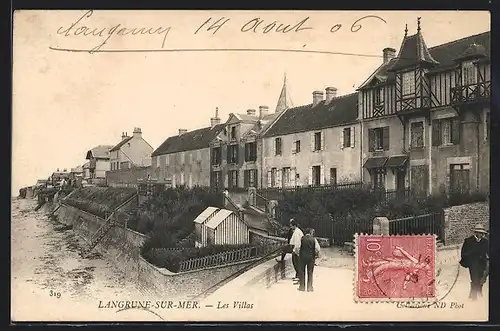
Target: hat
[480, 228]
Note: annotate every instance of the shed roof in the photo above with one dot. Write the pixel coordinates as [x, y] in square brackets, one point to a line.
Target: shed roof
[205, 214]
[221, 215]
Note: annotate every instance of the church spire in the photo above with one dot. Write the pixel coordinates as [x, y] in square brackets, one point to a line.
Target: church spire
[284, 100]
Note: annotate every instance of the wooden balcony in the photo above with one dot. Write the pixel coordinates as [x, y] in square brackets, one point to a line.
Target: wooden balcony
[471, 93]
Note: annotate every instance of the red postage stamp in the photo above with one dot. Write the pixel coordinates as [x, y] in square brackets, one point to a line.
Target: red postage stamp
[395, 268]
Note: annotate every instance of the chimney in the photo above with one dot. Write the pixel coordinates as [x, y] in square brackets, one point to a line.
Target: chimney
[214, 120]
[263, 111]
[124, 135]
[57, 170]
[182, 131]
[331, 93]
[137, 132]
[389, 53]
[317, 97]
[251, 112]
[65, 170]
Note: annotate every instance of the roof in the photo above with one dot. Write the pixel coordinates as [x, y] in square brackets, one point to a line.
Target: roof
[218, 218]
[341, 110]
[246, 117]
[121, 143]
[190, 140]
[284, 100]
[205, 215]
[413, 51]
[375, 162]
[444, 54]
[86, 165]
[99, 152]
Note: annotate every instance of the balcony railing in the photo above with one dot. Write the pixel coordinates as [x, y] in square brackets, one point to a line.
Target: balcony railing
[470, 92]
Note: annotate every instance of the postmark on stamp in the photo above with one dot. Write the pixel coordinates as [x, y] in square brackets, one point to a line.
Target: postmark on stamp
[395, 268]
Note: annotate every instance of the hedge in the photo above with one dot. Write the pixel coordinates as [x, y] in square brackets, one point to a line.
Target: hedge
[171, 259]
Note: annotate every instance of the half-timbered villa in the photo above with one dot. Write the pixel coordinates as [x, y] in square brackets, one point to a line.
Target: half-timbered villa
[425, 113]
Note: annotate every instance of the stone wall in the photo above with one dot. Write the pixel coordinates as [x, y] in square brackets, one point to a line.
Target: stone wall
[127, 177]
[460, 220]
[184, 285]
[120, 246]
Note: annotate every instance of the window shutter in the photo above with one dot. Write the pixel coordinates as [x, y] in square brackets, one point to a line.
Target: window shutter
[279, 177]
[312, 141]
[425, 177]
[322, 140]
[342, 138]
[386, 138]
[310, 179]
[353, 134]
[246, 152]
[245, 178]
[436, 133]
[322, 175]
[269, 178]
[371, 140]
[228, 154]
[274, 146]
[239, 156]
[293, 177]
[455, 131]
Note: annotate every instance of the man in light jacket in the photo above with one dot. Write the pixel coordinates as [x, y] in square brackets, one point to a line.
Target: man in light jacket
[295, 243]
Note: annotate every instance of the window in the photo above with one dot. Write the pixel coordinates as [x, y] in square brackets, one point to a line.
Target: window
[317, 141]
[419, 180]
[469, 73]
[417, 134]
[182, 158]
[446, 131]
[378, 178]
[232, 178]
[217, 179]
[333, 176]
[250, 178]
[216, 156]
[182, 179]
[378, 139]
[316, 175]
[408, 83]
[459, 178]
[378, 96]
[251, 152]
[233, 132]
[198, 155]
[273, 177]
[286, 180]
[167, 159]
[232, 154]
[296, 147]
[277, 146]
[346, 133]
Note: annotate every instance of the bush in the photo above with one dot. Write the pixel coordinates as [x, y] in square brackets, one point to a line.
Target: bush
[171, 259]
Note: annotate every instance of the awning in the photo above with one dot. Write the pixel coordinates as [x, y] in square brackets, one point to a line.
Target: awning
[397, 161]
[375, 162]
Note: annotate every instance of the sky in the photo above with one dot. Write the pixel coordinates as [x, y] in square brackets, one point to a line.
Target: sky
[65, 103]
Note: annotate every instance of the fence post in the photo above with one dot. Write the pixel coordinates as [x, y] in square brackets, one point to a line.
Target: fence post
[381, 226]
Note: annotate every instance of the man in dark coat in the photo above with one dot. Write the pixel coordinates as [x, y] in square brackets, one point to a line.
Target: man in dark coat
[474, 255]
[308, 252]
[287, 249]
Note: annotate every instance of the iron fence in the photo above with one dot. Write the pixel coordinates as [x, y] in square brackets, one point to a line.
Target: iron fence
[421, 224]
[278, 193]
[224, 258]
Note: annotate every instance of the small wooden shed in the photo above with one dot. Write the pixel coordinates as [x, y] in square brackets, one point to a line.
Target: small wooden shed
[199, 225]
[226, 228]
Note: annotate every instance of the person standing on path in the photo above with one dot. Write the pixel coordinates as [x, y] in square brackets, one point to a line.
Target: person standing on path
[287, 249]
[308, 252]
[474, 255]
[295, 243]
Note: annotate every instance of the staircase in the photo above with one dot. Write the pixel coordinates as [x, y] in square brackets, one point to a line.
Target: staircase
[108, 224]
[133, 211]
[100, 233]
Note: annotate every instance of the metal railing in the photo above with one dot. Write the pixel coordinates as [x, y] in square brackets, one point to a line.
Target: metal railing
[278, 193]
[224, 258]
[420, 224]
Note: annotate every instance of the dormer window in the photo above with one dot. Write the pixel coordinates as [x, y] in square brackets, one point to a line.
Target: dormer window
[408, 83]
[233, 132]
[469, 73]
